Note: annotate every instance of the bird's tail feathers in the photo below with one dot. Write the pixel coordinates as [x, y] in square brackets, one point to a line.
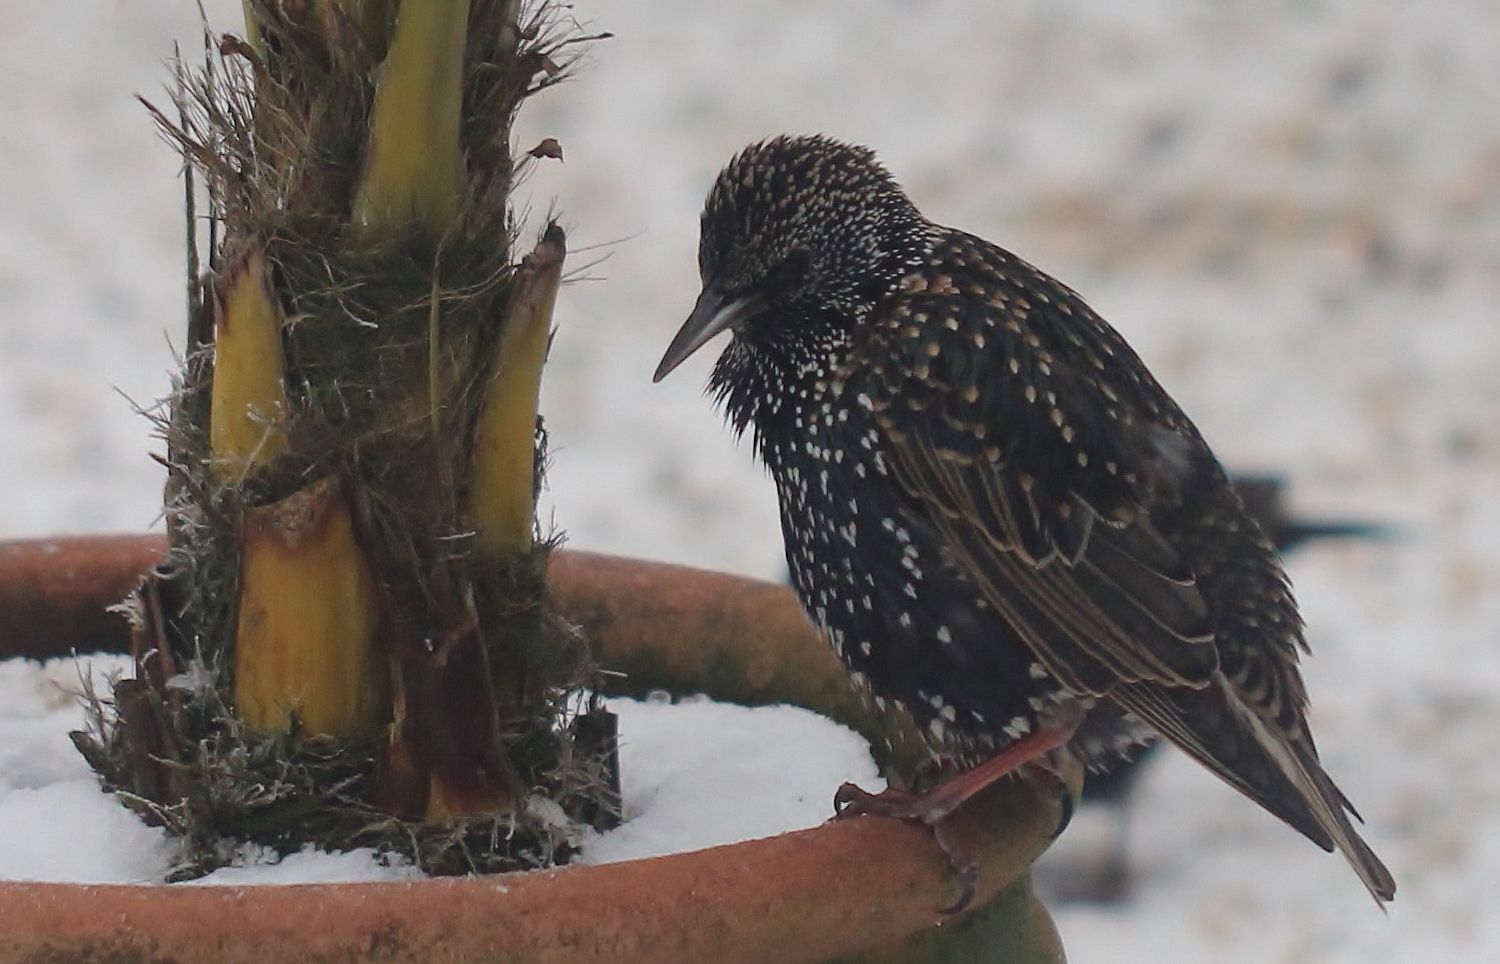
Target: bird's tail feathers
[1283, 776]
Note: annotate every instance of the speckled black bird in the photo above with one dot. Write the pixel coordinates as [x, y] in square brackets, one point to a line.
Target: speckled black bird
[994, 512]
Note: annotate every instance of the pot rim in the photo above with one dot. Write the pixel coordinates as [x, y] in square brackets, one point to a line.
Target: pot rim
[839, 889]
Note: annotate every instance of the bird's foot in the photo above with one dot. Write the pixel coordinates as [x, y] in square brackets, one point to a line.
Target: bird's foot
[853, 801]
[1040, 754]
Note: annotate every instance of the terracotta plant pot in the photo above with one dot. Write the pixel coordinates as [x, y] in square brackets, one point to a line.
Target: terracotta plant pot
[867, 889]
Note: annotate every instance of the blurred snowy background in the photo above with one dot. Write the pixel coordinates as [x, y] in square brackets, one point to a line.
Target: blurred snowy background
[1290, 207]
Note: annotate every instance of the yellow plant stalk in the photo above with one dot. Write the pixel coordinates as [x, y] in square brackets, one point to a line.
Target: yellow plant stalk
[413, 162]
[248, 398]
[308, 617]
[501, 487]
[252, 28]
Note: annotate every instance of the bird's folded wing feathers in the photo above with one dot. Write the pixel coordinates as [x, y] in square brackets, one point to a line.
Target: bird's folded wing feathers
[1113, 620]
[1110, 609]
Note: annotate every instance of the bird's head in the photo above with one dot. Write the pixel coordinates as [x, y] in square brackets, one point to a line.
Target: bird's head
[793, 227]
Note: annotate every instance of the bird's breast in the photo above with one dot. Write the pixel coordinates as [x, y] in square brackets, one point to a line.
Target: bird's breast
[876, 579]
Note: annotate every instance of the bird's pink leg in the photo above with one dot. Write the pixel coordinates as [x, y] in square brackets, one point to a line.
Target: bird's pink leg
[931, 807]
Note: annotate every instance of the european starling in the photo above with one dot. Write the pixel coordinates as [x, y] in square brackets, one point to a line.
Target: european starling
[993, 511]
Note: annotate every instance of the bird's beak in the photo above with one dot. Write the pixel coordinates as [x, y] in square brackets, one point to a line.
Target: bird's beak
[712, 314]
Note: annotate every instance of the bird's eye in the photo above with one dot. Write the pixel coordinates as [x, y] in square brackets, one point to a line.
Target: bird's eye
[792, 271]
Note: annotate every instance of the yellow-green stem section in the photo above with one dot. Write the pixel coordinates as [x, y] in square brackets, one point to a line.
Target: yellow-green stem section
[413, 162]
[308, 617]
[501, 490]
[248, 398]
[252, 28]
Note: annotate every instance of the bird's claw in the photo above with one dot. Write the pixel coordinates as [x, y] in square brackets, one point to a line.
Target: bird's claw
[849, 801]
[1067, 806]
[854, 801]
[1055, 770]
[965, 870]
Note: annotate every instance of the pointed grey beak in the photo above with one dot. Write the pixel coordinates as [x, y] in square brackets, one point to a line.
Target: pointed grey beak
[711, 315]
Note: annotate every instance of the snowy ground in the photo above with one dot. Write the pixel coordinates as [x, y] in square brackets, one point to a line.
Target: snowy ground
[1291, 208]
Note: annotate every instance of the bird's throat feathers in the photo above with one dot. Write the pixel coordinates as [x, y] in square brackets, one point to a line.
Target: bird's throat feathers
[795, 359]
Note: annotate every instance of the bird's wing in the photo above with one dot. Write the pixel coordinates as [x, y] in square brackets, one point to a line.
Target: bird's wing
[1023, 430]
[1115, 618]
[1061, 479]
[1115, 607]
